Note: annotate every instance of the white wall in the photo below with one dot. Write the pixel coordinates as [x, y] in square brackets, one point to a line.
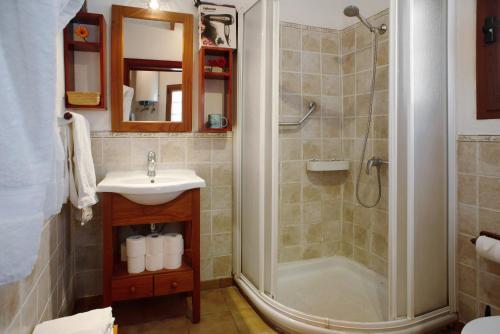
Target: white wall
[465, 41]
[327, 13]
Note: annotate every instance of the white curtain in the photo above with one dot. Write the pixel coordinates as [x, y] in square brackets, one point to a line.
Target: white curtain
[31, 155]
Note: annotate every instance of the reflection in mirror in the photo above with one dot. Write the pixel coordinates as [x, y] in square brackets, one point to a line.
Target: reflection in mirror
[153, 71]
[155, 95]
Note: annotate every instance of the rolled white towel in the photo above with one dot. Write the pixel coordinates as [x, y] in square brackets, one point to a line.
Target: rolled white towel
[488, 248]
[97, 321]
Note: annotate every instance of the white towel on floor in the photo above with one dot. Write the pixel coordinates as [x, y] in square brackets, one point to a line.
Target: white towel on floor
[488, 248]
[82, 181]
[99, 321]
[29, 142]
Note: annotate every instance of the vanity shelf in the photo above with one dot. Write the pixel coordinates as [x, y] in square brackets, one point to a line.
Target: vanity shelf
[96, 27]
[118, 284]
[211, 82]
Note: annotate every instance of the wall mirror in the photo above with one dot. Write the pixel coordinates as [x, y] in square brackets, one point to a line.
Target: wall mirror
[151, 70]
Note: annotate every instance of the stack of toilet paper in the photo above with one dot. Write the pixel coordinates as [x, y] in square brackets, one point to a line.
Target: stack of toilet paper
[154, 252]
[173, 248]
[136, 254]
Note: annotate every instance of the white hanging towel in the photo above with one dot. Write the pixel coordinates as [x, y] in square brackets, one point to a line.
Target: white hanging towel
[30, 148]
[82, 181]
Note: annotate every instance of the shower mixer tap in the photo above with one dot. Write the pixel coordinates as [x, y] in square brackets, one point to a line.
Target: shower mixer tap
[374, 162]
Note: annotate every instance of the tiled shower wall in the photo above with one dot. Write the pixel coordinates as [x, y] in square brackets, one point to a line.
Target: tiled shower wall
[47, 293]
[318, 213]
[208, 154]
[478, 162]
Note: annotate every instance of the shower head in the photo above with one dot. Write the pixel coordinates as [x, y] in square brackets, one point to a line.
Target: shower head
[353, 11]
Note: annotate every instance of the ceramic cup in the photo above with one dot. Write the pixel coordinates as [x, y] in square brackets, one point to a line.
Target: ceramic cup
[216, 121]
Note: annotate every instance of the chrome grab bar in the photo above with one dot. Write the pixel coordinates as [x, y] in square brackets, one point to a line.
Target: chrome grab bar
[312, 107]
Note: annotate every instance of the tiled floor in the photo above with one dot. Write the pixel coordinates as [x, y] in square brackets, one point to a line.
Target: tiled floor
[223, 311]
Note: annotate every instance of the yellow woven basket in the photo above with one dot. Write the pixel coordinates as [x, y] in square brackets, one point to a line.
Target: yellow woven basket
[84, 98]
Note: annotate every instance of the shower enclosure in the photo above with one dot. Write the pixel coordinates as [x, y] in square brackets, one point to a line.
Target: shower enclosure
[355, 88]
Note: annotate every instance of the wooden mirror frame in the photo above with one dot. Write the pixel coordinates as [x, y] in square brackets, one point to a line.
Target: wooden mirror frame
[118, 69]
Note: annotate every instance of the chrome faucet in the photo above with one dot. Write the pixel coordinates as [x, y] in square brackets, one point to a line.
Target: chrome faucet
[151, 164]
[374, 162]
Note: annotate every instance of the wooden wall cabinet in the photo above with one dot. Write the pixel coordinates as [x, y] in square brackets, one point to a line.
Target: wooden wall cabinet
[118, 284]
[205, 54]
[488, 61]
[98, 46]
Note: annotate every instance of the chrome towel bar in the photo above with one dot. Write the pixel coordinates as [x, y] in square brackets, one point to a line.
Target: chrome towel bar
[312, 107]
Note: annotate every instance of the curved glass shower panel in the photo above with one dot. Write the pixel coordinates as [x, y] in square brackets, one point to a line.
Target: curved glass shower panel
[333, 225]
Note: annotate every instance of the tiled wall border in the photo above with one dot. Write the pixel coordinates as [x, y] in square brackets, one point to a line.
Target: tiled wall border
[482, 138]
[109, 134]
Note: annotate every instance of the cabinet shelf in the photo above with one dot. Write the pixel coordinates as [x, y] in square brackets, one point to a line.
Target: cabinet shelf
[83, 46]
[120, 270]
[73, 74]
[217, 75]
[211, 83]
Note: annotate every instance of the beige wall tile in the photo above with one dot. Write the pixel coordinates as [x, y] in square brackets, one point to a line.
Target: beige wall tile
[221, 244]
[222, 266]
[467, 219]
[330, 64]
[140, 147]
[172, 150]
[222, 150]
[311, 40]
[489, 220]
[222, 221]
[348, 106]
[222, 198]
[467, 280]
[363, 37]
[287, 254]
[291, 235]
[198, 149]
[311, 84]
[489, 192]
[290, 38]
[312, 251]
[291, 171]
[310, 62]
[489, 159]
[330, 85]
[348, 41]
[330, 43]
[348, 85]
[116, 150]
[488, 290]
[290, 192]
[466, 251]
[222, 174]
[290, 60]
[290, 83]
[467, 157]
[331, 105]
[383, 54]
[290, 149]
[331, 128]
[467, 307]
[382, 78]
[467, 189]
[363, 82]
[291, 105]
[364, 60]
[348, 63]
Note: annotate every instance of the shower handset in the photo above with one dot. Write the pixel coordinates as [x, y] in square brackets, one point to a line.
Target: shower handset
[226, 19]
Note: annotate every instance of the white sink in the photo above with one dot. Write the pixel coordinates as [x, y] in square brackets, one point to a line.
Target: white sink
[139, 188]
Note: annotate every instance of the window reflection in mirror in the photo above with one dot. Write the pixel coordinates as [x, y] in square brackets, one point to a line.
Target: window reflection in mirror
[153, 53]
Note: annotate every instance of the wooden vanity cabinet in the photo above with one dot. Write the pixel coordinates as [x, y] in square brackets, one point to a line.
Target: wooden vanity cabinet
[118, 284]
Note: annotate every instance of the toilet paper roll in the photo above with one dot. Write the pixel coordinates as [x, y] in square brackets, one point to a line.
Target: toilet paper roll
[123, 252]
[154, 244]
[136, 246]
[172, 261]
[154, 262]
[488, 248]
[173, 243]
[136, 264]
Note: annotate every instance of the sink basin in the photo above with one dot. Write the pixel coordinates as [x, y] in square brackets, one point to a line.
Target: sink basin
[137, 187]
